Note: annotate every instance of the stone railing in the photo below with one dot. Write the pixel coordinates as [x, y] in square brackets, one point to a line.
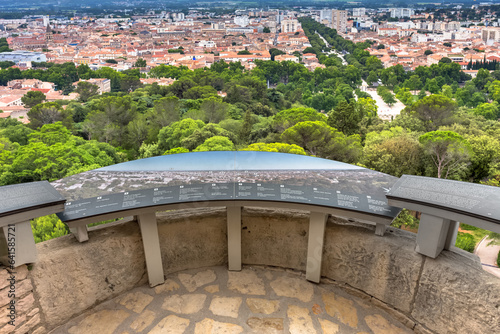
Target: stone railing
[449, 294]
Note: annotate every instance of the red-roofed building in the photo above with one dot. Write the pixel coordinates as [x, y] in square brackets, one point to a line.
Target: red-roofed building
[45, 91]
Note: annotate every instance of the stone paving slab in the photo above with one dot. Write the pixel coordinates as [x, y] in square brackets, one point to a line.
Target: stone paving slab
[254, 300]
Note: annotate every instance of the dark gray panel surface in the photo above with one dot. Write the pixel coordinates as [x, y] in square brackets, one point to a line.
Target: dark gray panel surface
[21, 197]
[467, 198]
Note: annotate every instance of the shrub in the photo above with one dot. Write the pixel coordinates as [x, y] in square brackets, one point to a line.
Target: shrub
[466, 242]
[468, 227]
[405, 218]
[48, 227]
[498, 259]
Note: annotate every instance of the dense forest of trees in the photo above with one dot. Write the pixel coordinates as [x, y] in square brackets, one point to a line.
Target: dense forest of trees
[453, 133]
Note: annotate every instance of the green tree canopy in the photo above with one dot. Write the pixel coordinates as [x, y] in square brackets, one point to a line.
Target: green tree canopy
[372, 78]
[368, 106]
[433, 110]
[393, 152]
[405, 96]
[216, 143]
[199, 136]
[108, 120]
[32, 98]
[140, 63]
[214, 109]
[447, 91]
[4, 45]
[448, 150]
[346, 117]
[86, 90]
[200, 92]
[53, 153]
[485, 157]
[275, 52]
[176, 150]
[413, 83]
[488, 110]
[48, 113]
[289, 117]
[48, 227]
[321, 140]
[275, 147]
[18, 133]
[171, 136]
[494, 90]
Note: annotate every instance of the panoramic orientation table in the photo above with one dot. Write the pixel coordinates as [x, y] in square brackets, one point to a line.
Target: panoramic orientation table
[443, 204]
[19, 203]
[230, 179]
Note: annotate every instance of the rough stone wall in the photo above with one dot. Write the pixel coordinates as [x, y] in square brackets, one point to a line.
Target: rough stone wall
[27, 312]
[456, 296]
[274, 238]
[192, 239]
[384, 267]
[450, 294]
[71, 277]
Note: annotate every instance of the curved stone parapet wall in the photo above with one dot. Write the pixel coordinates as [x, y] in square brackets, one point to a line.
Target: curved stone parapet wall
[450, 294]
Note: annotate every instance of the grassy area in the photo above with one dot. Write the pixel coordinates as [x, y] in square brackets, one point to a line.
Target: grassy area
[476, 235]
[466, 242]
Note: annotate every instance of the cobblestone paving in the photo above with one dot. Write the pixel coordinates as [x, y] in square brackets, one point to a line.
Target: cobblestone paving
[254, 300]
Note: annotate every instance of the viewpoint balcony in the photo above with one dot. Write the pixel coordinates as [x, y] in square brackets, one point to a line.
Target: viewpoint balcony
[216, 233]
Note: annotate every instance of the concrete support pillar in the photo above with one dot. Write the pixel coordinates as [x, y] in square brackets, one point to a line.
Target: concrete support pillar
[234, 237]
[151, 244]
[380, 229]
[17, 245]
[451, 238]
[317, 223]
[80, 233]
[432, 235]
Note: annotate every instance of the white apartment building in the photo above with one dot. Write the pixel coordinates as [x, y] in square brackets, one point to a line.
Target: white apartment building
[218, 26]
[388, 31]
[207, 44]
[423, 38]
[325, 14]
[242, 21]
[357, 12]
[453, 26]
[402, 25]
[289, 25]
[178, 17]
[489, 34]
[449, 35]
[339, 20]
[401, 12]
[22, 56]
